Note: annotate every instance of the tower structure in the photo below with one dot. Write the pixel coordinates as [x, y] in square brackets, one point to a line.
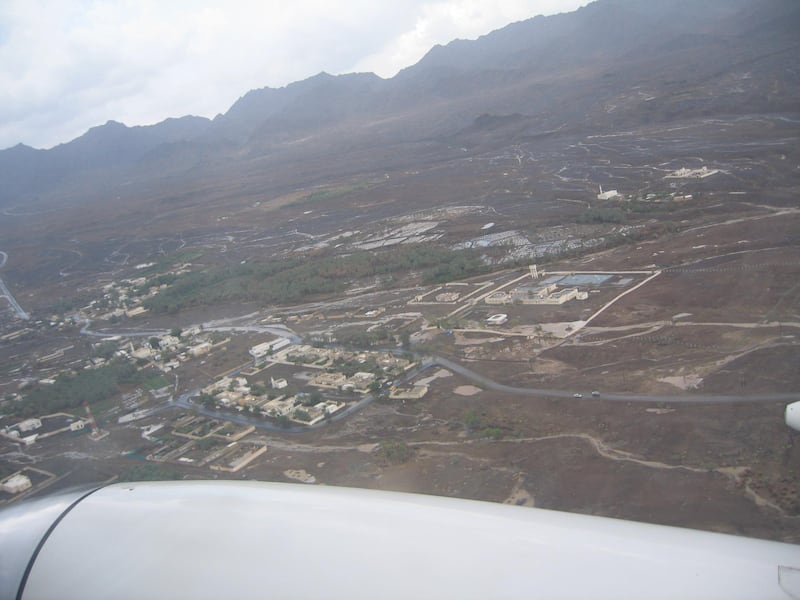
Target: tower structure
[97, 433]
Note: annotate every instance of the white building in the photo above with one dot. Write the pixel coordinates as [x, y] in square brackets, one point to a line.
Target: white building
[686, 173]
[607, 195]
[168, 341]
[16, 483]
[278, 384]
[360, 381]
[144, 352]
[200, 349]
[497, 319]
[266, 348]
[29, 425]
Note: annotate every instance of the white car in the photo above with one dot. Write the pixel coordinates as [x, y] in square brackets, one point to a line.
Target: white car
[577, 395]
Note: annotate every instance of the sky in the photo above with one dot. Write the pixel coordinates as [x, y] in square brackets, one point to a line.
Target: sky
[68, 65]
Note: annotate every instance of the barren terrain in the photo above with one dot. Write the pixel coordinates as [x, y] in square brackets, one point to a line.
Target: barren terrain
[717, 314]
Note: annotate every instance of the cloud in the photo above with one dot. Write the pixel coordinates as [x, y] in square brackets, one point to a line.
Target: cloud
[68, 66]
[443, 21]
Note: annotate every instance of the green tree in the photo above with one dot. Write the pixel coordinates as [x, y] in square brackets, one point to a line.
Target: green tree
[405, 339]
[394, 452]
[301, 415]
[105, 350]
[207, 400]
[472, 420]
[493, 433]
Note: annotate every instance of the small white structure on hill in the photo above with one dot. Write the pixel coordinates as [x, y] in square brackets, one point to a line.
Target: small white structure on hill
[29, 425]
[497, 319]
[16, 483]
[686, 173]
[607, 195]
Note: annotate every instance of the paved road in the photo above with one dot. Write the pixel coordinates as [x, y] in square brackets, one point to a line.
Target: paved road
[4, 291]
[184, 400]
[277, 329]
[87, 323]
[685, 398]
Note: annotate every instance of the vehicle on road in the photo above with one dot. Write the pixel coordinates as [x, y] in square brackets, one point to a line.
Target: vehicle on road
[595, 393]
[576, 395]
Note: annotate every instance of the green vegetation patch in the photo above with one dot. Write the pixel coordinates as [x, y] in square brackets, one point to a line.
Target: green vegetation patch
[302, 415]
[69, 392]
[394, 452]
[602, 215]
[493, 433]
[296, 280]
[92, 385]
[329, 194]
[472, 420]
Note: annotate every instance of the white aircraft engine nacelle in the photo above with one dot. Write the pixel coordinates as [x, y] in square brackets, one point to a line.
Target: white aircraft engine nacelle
[793, 415]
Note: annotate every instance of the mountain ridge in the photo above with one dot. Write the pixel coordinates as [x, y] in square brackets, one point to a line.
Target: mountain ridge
[561, 70]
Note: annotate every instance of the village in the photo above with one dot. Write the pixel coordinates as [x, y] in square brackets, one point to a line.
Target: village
[190, 416]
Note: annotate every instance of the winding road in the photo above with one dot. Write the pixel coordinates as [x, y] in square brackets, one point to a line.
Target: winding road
[4, 291]
[184, 400]
[683, 399]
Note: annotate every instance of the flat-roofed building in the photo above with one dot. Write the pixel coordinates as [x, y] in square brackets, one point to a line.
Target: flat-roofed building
[266, 348]
[16, 483]
[29, 425]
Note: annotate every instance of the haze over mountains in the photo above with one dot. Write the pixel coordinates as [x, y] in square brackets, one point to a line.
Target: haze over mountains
[612, 64]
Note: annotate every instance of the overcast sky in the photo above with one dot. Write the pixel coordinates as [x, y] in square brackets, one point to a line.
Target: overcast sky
[67, 65]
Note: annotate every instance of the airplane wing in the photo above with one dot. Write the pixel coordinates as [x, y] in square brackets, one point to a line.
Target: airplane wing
[792, 415]
[220, 539]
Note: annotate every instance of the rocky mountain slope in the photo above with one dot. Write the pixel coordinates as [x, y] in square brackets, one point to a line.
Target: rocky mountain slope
[612, 64]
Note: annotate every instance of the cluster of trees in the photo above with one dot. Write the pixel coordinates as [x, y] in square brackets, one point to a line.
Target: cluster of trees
[92, 386]
[329, 194]
[294, 280]
[462, 264]
[104, 350]
[394, 452]
[158, 280]
[619, 215]
[351, 367]
[207, 400]
[602, 215]
[310, 399]
[474, 422]
[652, 207]
[301, 415]
[365, 339]
[65, 304]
